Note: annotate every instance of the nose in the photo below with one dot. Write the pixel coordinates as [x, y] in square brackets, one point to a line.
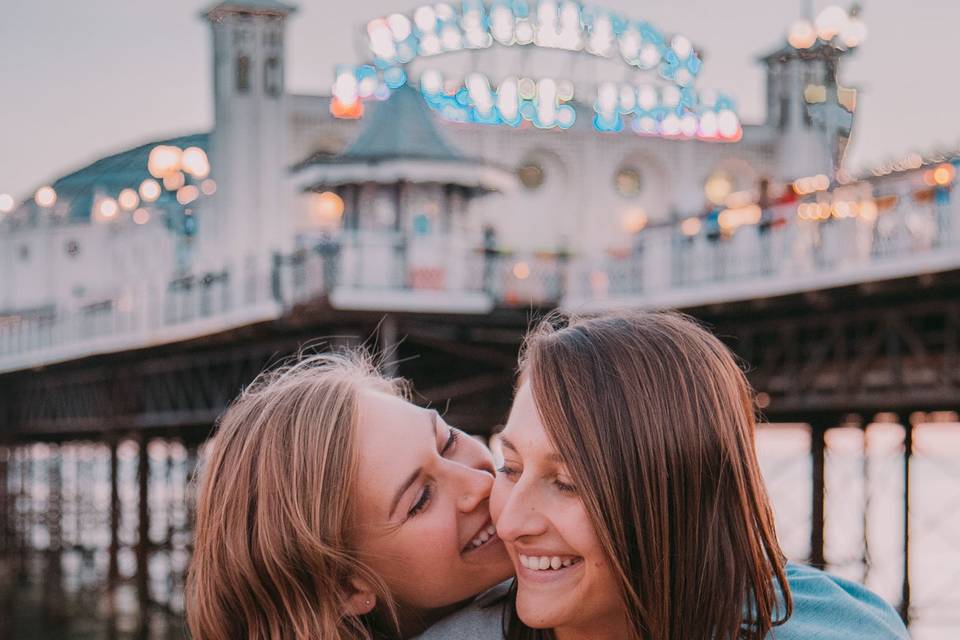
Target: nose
[520, 515]
[475, 487]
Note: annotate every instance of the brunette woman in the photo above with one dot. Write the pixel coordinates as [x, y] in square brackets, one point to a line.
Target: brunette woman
[631, 501]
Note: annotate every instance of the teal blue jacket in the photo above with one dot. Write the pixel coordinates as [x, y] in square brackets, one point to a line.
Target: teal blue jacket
[825, 607]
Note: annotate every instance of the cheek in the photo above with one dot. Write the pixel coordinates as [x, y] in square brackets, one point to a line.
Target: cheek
[422, 550]
[499, 496]
[433, 540]
[574, 525]
[600, 584]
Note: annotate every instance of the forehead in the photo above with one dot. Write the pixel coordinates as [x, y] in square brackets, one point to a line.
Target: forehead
[524, 428]
[393, 438]
[389, 427]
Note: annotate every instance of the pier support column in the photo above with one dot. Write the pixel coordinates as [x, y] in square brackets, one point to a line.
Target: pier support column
[907, 424]
[113, 571]
[5, 511]
[143, 536]
[817, 453]
[26, 511]
[53, 572]
[8, 541]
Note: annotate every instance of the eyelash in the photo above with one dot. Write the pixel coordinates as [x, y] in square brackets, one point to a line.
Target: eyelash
[427, 489]
[422, 502]
[566, 488]
[451, 441]
[512, 473]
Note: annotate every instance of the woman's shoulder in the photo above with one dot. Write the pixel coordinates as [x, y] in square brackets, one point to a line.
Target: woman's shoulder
[827, 606]
[482, 619]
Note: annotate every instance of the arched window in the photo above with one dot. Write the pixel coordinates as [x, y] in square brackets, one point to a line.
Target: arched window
[273, 77]
[628, 181]
[531, 175]
[243, 74]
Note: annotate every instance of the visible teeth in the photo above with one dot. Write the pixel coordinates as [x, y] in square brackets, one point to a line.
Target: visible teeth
[544, 563]
[483, 536]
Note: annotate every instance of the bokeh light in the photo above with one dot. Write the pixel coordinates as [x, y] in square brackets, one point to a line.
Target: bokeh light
[141, 216]
[45, 197]
[326, 207]
[128, 199]
[149, 190]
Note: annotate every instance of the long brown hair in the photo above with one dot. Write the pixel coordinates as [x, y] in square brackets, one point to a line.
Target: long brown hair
[655, 422]
[272, 557]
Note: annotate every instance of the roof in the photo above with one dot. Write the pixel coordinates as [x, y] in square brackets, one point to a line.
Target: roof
[400, 142]
[819, 50]
[401, 128]
[250, 6]
[110, 175]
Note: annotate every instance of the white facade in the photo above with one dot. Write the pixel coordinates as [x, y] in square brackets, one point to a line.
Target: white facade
[260, 209]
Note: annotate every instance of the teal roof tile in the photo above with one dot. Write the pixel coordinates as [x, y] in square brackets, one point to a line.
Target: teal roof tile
[110, 175]
[400, 128]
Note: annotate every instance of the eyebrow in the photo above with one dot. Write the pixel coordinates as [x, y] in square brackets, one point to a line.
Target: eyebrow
[416, 473]
[553, 457]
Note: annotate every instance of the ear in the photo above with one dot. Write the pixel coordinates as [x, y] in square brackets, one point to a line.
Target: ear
[361, 598]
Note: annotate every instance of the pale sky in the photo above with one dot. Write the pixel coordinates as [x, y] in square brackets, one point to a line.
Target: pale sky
[83, 78]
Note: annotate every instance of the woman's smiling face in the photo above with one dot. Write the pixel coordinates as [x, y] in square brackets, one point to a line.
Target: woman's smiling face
[423, 506]
[564, 578]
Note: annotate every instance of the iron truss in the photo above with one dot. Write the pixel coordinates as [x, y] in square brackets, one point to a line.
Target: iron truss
[861, 356]
[463, 368]
[811, 358]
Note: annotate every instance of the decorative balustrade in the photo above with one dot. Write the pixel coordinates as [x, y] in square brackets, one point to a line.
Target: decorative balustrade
[146, 315]
[663, 267]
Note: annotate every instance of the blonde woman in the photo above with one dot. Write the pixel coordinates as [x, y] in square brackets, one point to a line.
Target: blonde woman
[331, 507]
[631, 502]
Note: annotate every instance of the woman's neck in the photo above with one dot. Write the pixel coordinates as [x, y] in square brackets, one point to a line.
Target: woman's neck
[414, 621]
[606, 630]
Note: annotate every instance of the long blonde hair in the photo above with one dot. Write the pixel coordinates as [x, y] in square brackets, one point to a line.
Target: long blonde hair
[272, 556]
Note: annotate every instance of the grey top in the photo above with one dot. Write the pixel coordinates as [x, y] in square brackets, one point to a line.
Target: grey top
[825, 607]
[480, 620]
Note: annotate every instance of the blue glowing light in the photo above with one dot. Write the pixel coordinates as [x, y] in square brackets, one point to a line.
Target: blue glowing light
[674, 109]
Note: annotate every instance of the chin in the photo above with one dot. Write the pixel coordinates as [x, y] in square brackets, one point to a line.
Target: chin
[538, 616]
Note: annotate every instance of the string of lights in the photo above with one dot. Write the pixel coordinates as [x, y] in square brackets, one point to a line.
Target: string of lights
[182, 175]
[674, 109]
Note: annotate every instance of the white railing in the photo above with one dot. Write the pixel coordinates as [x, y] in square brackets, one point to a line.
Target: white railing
[144, 316]
[390, 272]
[668, 269]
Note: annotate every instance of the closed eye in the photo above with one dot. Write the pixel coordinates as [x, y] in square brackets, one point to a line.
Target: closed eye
[451, 441]
[422, 502]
